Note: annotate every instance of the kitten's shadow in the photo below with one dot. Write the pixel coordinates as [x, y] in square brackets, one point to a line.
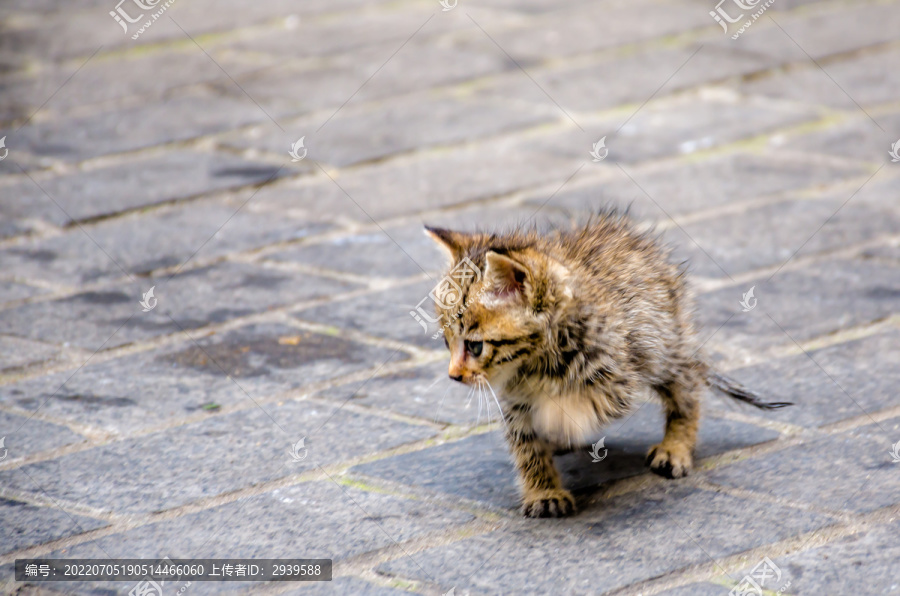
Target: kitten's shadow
[585, 474]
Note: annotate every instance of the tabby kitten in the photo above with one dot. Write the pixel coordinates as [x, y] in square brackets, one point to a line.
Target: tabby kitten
[570, 328]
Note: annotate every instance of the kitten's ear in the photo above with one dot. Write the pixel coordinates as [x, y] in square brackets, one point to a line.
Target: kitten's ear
[452, 242]
[504, 276]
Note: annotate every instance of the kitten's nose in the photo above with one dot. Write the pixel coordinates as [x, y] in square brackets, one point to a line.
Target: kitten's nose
[456, 378]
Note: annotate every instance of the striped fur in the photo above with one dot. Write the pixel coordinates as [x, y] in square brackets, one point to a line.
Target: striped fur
[575, 325]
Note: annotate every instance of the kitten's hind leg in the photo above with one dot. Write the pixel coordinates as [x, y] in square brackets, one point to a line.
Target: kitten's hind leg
[673, 457]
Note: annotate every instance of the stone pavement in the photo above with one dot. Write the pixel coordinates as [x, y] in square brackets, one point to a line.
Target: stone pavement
[139, 158]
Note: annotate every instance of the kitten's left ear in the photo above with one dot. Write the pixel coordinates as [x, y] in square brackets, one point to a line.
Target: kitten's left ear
[452, 242]
[504, 276]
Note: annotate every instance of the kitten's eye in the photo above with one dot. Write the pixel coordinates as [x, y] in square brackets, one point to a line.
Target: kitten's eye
[474, 347]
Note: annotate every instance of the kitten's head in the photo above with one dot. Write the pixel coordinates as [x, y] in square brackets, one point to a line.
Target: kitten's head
[504, 315]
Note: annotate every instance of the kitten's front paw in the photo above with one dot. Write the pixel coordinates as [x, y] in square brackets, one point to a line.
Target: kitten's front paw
[670, 460]
[548, 503]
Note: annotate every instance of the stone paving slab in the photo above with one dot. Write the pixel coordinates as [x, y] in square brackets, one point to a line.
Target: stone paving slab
[814, 301]
[377, 254]
[167, 121]
[192, 299]
[172, 176]
[769, 235]
[17, 353]
[359, 134]
[344, 585]
[861, 562]
[144, 390]
[674, 189]
[425, 392]
[489, 478]
[26, 525]
[385, 314]
[144, 242]
[859, 137]
[309, 520]
[136, 475]
[631, 538]
[25, 437]
[856, 378]
[860, 459]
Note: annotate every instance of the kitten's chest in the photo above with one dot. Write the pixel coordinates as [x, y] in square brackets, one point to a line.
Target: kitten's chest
[567, 419]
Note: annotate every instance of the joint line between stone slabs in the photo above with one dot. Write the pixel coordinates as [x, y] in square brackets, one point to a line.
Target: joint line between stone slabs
[856, 192]
[838, 385]
[850, 97]
[230, 217]
[372, 519]
[516, 62]
[57, 505]
[346, 401]
[716, 263]
[76, 372]
[697, 351]
[77, 223]
[275, 122]
[366, 82]
[230, 377]
[671, 519]
[324, 171]
[658, 89]
[83, 64]
[555, 192]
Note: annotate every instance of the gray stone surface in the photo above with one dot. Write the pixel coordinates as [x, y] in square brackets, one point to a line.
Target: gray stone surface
[190, 300]
[139, 183]
[771, 234]
[813, 301]
[702, 589]
[488, 475]
[831, 384]
[218, 455]
[310, 520]
[25, 525]
[861, 562]
[25, 436]
[615, 536]
[425, 392]
[697, 185]
[474, 115]
[362, 134]
[141, 243]
[385, 313]
[225, 370]
[851, 471]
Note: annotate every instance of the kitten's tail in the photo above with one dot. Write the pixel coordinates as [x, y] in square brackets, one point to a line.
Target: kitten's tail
[737, 391]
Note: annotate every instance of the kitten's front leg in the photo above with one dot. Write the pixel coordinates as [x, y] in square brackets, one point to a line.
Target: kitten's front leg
[542, 491]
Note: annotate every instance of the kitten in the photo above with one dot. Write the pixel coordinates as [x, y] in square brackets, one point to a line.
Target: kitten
[570, 328]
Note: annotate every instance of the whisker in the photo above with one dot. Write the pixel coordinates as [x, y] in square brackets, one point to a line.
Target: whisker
[497, 401]
[440, 405]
